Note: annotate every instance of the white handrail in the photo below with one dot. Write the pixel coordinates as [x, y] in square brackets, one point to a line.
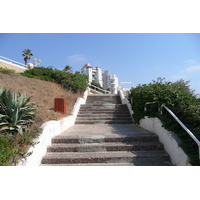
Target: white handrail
[183, 126]
[12, 61]
[122, 83]
[99, 88]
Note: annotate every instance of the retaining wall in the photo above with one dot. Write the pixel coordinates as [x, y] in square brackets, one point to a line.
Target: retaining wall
[169, 140]
[10, 65]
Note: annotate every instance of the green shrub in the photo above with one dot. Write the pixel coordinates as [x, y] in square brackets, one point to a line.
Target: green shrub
[59, 75]
[179, 98]
[13, 147]
[46, 78]
[40, 71]
[27, 75]
[6, 70]
[16, 112]
[75, 82]
[7, 150]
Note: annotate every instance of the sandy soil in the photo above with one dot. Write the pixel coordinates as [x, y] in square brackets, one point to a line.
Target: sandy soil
[43, 94]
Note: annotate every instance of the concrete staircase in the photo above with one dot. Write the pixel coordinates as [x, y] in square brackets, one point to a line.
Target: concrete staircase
[110, 150]
[96, 139]
[104, 109]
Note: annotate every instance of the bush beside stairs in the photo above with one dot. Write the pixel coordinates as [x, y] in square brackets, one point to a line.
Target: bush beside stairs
[128, 145]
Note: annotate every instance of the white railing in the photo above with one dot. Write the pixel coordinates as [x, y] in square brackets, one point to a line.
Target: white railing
[124, 100]
[97, 88]
[183, 126]
[179, 121]
[121, 85]
[12, 61]
[126, 91]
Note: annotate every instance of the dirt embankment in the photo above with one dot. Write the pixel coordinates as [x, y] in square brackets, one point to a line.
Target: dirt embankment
[43, 94]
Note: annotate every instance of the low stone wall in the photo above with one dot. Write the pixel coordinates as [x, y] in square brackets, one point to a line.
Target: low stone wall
[49, 130]
[168, 139]
[10, 65]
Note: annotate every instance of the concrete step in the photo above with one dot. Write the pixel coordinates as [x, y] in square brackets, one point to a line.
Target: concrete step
[110, 115]
[95, 113]
[91, 109]
[102, 108]
[109, 106]
[136, 157]
[105, 99]
[137, 149]
[136, 163]
[103, 102]
[96, 117]
[103, 95]
[105, 111]
[103, 147]
[78, 139]
[108, 112]
[104, 121]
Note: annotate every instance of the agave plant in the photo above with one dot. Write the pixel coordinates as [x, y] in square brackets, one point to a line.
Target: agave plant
[16, 112]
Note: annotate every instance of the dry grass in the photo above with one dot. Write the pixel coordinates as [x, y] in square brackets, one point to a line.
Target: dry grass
[43, 93]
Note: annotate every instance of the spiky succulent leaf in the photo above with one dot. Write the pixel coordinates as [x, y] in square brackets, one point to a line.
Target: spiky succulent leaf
[16, 112]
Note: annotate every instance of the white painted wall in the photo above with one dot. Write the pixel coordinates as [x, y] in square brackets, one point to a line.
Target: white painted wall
[9, 65]
[125, 101]
[169, 140]
[49, 130]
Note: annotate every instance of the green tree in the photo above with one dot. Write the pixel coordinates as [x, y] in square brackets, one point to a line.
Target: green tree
[27, 53]
[67, 69]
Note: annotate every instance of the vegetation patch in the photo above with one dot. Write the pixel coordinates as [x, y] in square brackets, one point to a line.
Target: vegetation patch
[6, 70]
[16, 112]
[14, 147]
[75, 82]
[147, 99]
[19, 118]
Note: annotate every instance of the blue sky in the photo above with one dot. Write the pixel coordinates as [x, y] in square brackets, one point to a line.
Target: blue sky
[134, 57]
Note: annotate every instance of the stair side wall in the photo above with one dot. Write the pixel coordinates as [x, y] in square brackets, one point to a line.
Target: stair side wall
[9, 65]
[124, 100]
[169, 140]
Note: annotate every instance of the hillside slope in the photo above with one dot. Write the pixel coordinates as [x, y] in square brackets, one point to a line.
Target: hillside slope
[43, 94]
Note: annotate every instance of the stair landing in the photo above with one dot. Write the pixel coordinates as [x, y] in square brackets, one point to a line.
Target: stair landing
[105, 129]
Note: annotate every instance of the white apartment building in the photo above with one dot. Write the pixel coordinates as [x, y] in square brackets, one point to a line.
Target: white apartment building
[94, 73]
[105, 80]
[110, 82]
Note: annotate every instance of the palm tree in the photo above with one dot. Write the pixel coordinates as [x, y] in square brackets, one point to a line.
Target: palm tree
[27, 53]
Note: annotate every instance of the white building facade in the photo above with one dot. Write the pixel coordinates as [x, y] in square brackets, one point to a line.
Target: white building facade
[94, 73]
[105, 80]
[110, 82]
